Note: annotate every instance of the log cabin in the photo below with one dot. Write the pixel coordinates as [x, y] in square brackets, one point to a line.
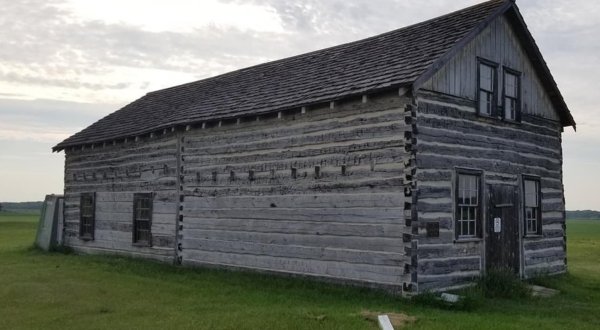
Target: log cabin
[418, 159]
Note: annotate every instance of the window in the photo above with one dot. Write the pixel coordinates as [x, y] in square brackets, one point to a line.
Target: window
[468, 204]
[512, 92]
[487, 88]
[86, 216]
[533, 215]
[142, 219]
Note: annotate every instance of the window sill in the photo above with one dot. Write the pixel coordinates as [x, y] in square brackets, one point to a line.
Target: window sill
[142, 244]
[86, 238]
[468, 240]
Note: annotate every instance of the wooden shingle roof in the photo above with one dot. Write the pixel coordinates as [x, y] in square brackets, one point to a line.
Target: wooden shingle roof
[391, 60]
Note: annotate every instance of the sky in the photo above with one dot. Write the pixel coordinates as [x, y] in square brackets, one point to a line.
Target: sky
[64, 64]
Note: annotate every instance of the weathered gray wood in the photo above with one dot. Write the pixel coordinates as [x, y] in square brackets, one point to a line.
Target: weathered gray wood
[427, 134]
[343, 215]
[296, 251]
[389, 185]
[489, 129]
[437, 282]
[332, 201]
[545, 269]
[365, 272]
[293, 227]
[429, 161]
[540, 244]
[426, 107]
[544, 256]
[448, 266]
[382, 244]
[441, 251]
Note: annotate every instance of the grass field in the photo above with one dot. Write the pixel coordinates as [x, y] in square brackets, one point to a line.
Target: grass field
[57, 291]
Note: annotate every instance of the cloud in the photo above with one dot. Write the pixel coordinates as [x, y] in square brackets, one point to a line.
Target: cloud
[47, 121]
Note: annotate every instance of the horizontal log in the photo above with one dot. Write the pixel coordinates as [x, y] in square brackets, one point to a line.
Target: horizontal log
[98, 243]
[489, 154]
[448, 266]
[435, 207]
[128, 161]
[427, 134]
[379, 274]
[331, 173]
[542, 244]
[381, 244]
[162, 257]
[127, 207]
[434, 192]
[544, 256]
[494, 126]
[340, 151]
[440, 251]
[434, 161]
[539, 121]
[293, 227]
[434, 175]
[389, 185]
[103, 196]
[330, 201]
[296, 251]
[286, 138]
[550, 207]
[440, 282]
[312, 121]
[138, 186]
[375, 215]
[140, 147]
[545, 269]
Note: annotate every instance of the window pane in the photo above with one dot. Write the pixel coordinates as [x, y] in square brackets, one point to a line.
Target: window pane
[531, 193]
[511, 85]
[485, 102]
[509, 108]
[486, 78]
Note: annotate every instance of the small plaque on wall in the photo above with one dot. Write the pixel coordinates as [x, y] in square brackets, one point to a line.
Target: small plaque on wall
[433, 229]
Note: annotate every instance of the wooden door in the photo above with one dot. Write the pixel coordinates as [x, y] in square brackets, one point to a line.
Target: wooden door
[502, 229]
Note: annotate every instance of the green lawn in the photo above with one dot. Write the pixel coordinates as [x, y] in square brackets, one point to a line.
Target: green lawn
[56, 291]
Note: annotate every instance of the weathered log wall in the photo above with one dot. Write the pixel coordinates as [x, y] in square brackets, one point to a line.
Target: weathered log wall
[316, 192]
[451, 134]
[115, 173]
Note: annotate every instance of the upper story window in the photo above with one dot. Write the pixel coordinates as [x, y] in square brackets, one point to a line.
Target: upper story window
[512, 93]
[487, 88]
[533, 213]
[142, 219]
[87, 212]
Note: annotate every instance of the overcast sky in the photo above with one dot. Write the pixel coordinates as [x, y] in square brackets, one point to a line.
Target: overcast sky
[67, 63]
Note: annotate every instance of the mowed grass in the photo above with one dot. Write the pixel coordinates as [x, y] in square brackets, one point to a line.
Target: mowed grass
[56, 291]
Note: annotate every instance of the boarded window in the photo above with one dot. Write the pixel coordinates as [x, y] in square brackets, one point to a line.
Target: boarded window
[87, 211]
[487, 88]
[142, 219]
[468, 204]
[512, 102]
[532, 206]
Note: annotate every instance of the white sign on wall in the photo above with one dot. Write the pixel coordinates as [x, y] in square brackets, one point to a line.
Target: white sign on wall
[497, 225]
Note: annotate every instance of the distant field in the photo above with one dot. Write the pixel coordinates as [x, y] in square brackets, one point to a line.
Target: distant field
[56, 291]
